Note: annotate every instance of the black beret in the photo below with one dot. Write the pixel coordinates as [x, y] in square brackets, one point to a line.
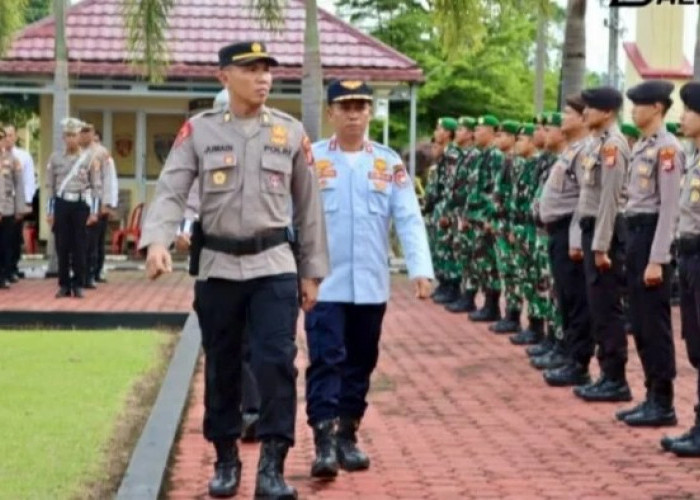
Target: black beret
[650, 92]
[690, 95]
[244, 53]
[349, 90]
[603, 98]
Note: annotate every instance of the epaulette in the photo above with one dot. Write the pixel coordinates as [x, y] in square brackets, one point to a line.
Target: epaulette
[281, 114]
[208, 112]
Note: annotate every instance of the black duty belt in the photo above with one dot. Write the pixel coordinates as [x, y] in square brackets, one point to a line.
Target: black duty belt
[249, 246]
[559, 224]
[587, 224]
[635, 222]
[688, 245]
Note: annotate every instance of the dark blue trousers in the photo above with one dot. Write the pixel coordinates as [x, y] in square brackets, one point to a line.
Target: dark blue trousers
[343, 343]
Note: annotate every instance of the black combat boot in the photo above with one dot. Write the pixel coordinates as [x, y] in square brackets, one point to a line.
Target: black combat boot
[78, 293]
[270, 481]
[325, 465]
[605, 389]
[450, 293]
[465, 303]
[350, 457]
[533, 334]
[250, 427]
[491, 311]
[438, 289]
[542, 347]
[658, 411]
[509, 324]
[227, 470]
[622, 414]
[570, 374]
[64, 291]
[551, 359]
[688, 445]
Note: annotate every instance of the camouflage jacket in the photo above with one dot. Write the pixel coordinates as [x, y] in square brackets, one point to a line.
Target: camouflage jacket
[486, 166]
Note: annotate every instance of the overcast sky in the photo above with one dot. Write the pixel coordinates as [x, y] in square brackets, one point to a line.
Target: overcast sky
[597, 33]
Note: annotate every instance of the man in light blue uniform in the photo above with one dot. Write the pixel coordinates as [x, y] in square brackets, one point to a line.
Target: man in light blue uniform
[364, 187]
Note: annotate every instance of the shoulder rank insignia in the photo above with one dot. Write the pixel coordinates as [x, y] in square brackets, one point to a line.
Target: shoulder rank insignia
[183, 134]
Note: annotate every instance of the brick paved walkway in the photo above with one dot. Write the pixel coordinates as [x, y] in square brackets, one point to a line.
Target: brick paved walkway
[456, 412]
[127, 291]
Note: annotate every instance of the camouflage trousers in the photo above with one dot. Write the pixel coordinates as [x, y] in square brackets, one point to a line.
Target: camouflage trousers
[508, 268]
[445, 261]
[534, 276]
[483, 264]
[464, 249]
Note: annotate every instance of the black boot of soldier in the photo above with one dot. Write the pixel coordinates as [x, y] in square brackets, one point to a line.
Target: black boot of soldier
[509, 324]
[542, 347]
[350, 457]
[270, 481]
[533, 334]
[688, 445]
[465, 303]
[438, 289]
[227, 470]
[450, 294]
[658, 411]
[491, 310]
[325, 465]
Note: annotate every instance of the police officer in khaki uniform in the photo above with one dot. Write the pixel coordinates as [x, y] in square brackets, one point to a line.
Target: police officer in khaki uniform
[12, 207]
[602, 241]
[254, 164]
[73, 190]
[651, 212]
[97, 232]
[557, 211]
[688, 444]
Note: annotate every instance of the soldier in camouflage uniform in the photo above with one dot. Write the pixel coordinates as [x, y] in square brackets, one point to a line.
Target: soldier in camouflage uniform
[446, 266]
[478, 208]
[501, 216]
[545, 308]
[463, 238]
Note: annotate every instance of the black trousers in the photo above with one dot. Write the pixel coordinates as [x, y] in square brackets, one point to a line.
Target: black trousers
[689, 288]
[7, 238]
[70, 231]
[250, 395]
[343, 342]
[571, 296]
[96, 247]
[649, 307]
[17, 245]
[268, 308]
[604, 300]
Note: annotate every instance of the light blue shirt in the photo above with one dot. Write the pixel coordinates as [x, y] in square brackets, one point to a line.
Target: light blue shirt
[360, 201]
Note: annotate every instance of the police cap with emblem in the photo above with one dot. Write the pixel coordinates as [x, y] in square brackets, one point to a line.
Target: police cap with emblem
[651, 92]
[71, 125]
[244, 53]
[690, 95]
[602, 98]
[348, 90]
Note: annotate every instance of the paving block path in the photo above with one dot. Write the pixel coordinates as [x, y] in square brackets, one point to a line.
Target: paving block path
[456, 412]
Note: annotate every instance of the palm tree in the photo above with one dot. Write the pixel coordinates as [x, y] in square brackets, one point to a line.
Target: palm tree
[573, 66]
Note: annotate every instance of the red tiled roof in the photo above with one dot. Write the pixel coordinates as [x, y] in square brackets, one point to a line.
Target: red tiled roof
[197, 29]
[646, 71]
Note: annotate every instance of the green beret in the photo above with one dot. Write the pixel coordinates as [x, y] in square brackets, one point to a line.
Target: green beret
[674, 128]
[488, 120]
[630, 130]
[510, 126]
[554, 119]
[527, 129]
[467, 121]
[448, 123]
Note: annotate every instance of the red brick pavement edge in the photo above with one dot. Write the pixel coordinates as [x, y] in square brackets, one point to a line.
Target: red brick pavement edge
[456, 412]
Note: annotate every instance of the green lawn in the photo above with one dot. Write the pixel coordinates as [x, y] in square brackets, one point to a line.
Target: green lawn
[60, 395]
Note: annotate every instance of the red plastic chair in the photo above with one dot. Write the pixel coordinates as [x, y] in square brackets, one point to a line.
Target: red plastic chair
[30, 238]
[130, 233]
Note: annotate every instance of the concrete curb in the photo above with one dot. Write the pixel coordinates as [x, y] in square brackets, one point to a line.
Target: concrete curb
[91, 320]
[146, 470]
